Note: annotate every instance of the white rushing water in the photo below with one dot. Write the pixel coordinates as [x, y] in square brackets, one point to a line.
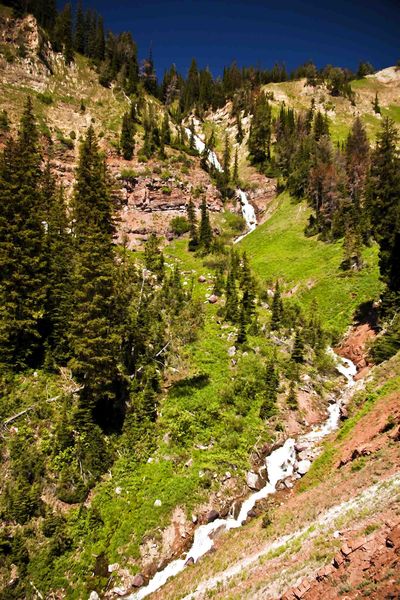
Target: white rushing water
[280, 464]
[248, 211]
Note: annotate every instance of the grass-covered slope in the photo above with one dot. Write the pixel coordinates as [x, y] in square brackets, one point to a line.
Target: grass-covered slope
[309, 268]
[334, 496]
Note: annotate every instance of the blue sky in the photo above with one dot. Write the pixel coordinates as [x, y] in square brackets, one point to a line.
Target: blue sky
[262, 32]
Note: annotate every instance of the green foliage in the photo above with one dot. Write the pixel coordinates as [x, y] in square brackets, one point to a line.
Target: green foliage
[179, 225]
[388, 344]
[153, 256]
[45, 98]
[127, 140]
[259, 143]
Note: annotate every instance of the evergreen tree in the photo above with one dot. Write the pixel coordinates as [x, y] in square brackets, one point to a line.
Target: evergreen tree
[375, 105]
[63, 34]
[277, 308]
[320, 126]
[239, 134]
[259, 143]
[231, 302]
[268, 407]
[298, 348]
[242, 335]
[235, 174]
[94, 338]
[79, 42]
[166, 130]
[23, 282]
[205, 231]
[292, 396]
[59, 260]
[384, 205]
[127, 140]
[153, 257]
[191, 214]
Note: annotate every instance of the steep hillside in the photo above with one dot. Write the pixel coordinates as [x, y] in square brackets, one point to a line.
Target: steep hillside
[335, 532]
[220, 341]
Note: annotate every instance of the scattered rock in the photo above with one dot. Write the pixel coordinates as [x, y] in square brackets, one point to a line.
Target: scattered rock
[213, 299]
[254, 481]
[138, 580]
[232, 351]
[189, 463]
[113, 567]
[202, 279]
[212, 516]
[190, 561]
[118, 490]
[94, 596]
[303, 466]
[157, 503]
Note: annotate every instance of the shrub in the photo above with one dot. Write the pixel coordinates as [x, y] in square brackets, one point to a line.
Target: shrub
[166, 190]
[179, 225]
[45, 98]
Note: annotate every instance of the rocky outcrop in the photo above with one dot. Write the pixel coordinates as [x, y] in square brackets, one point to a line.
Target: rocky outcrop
[360, 560]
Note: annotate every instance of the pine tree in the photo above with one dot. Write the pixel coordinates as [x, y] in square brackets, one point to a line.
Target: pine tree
[166, 130]
[235, 174]
[205, 231]
[239, 134]
[59, 260]
[277, 309]
[298, 347]
[79, 42]
[63, 34]
[268, 407]
[292, 396]
[191, 214]
[242, 335]
[153, 257]
[23, 282]
[375, 105]
[94, 338]
[383, 203]
[259, 143]
[127, 140]
[231, 301]
[320, 126]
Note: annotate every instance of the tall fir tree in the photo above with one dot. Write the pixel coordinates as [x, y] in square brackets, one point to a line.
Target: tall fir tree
[127, 140]
[384, 205]
[205, 231]
[94, 339]
[259, 142]
[23, 278]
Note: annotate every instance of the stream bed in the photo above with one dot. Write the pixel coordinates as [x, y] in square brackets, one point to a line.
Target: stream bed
[282, 463]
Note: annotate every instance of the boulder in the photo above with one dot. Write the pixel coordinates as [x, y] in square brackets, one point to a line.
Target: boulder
[190, 561]
[232, 351]
[212, 515]
[254, 481]
[113, 567]
[202, 279]
[303, 466]
[138, 580]
[213, 299]
[157, 503]
[94, 596]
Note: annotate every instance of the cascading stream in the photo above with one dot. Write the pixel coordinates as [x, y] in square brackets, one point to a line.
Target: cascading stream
[248, 211]
[280, 464]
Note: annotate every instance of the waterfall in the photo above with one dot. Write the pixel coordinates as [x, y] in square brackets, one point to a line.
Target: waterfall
[280, 464]
[248, 211]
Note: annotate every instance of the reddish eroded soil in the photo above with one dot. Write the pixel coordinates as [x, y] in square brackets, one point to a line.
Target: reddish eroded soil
[364, 566]
[374, 431]
[355, 347]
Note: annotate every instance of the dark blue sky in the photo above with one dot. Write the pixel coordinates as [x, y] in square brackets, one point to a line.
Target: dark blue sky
[340, 32]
